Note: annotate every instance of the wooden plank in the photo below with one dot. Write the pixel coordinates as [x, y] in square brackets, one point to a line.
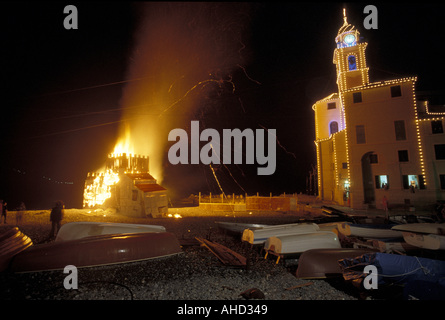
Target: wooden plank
[224, 254]
[300, 285]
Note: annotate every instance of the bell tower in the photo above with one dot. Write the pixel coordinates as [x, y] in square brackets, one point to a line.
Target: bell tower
[349, 57]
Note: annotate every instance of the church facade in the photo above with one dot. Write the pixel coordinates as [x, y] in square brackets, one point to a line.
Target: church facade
[375, 142]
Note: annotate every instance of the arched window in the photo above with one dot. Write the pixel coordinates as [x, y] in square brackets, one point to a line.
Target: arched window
[333, 127]
[352, 63]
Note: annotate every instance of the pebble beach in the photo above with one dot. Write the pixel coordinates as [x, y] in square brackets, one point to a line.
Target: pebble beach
[194, 274]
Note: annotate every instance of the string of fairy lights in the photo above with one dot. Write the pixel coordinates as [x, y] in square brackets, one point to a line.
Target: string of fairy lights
[353, 77]
[200, 84]
[43, 177]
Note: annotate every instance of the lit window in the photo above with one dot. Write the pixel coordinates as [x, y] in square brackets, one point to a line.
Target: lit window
[410, 181]
[352, 63]
[413, 182]
[381, 182]
[396, 91]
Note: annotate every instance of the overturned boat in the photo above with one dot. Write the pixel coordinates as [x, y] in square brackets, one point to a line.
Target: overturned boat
[238, 228]
[429, 228]
[323, 263]
[96, 251]
[259, 236]
[424, 235]
[298, 243]
[369, 230]
[425, 241]
[394, 268]
[78, 230]
[12, 242]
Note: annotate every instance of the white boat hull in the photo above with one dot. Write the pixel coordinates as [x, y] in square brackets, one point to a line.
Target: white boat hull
[79, 230]
[239, 227]
[367, 231]
[298, 243]
[429, 228]
[259, 236]
[425, 241]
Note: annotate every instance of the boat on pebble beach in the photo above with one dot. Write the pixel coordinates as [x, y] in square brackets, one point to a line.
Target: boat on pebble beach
[396, 269]
[96, 251]
[423, 235]
[238, 228]
[12, 242]
[429, 228]
[259, 236]
[425, 241]
[78, 230]
[323, 263]
[369, 230]
[298, 243]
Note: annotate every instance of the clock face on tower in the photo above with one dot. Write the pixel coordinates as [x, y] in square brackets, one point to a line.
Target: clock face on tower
[349, 39]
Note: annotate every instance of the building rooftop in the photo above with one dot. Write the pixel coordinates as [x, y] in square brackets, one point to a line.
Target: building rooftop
[150, 187]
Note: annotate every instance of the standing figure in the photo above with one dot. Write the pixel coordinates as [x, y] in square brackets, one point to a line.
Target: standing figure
[56, 217]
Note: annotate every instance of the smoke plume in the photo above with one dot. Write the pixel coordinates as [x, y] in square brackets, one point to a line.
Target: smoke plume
[181, 52]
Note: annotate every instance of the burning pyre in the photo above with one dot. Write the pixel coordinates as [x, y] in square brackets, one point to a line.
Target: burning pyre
[126, 186]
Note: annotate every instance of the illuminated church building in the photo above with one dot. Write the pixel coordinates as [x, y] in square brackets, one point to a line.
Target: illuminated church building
[374, 139]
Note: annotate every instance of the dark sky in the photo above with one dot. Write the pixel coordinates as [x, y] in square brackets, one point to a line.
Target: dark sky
[61, 89]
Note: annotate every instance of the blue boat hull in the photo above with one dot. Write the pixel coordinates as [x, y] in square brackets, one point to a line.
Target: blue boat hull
[396, 269]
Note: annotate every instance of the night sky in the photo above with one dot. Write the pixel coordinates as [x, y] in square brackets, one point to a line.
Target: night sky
[62, 89]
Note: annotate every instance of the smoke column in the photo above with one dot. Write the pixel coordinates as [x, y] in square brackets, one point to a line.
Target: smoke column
[181, 51]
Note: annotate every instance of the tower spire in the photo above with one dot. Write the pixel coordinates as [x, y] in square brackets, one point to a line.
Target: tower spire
[344, 16]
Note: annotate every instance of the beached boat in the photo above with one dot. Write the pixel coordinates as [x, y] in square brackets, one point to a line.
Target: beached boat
[12, 242]
[323, 263]
[259, 236]
[369, 230]
[425, 241]
[429, 228]
[298, 243]
[394, 268]
[392, 245]
[238, 228]
[335, 212]
[78, 230]
[96, 251]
